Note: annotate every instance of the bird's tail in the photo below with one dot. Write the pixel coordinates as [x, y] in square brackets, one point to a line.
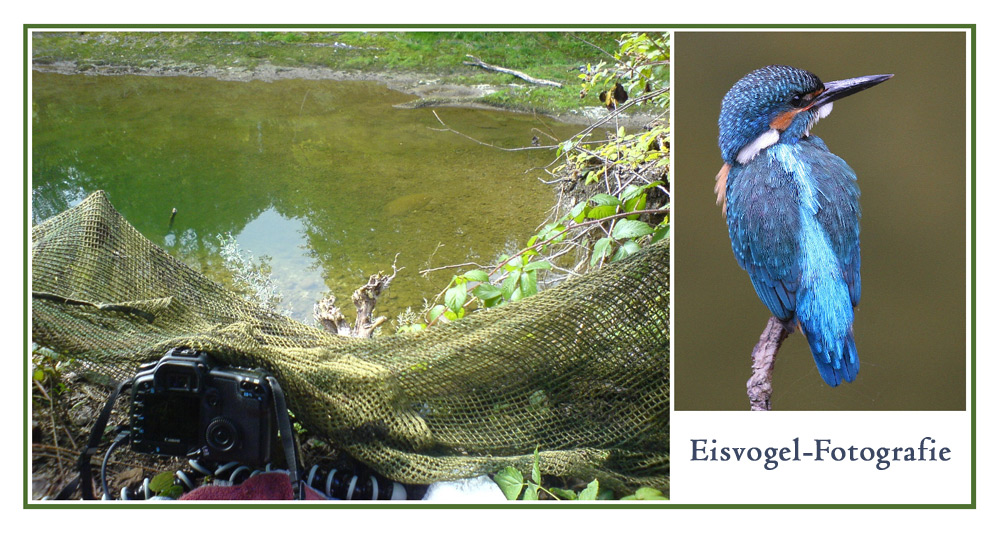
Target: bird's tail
[837, 362]
[826, 318]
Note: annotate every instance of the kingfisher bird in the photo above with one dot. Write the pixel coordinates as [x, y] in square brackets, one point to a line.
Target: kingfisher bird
[792, 207]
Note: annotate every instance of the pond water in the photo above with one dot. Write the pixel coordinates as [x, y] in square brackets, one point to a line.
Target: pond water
[325, 180]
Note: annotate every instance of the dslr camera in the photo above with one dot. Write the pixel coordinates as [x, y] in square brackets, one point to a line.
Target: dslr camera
[184, 405]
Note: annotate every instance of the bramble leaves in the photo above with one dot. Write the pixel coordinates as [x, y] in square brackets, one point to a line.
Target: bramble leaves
[623, 204]
[512, 482]
[646, 493]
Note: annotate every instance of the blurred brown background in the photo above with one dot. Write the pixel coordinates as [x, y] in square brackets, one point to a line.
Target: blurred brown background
[905, 139]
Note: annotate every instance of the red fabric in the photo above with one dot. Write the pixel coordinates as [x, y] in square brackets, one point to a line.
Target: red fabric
[267, 486]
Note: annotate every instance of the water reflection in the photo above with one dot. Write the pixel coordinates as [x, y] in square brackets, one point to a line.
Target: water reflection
[283, 244]
[327, 178]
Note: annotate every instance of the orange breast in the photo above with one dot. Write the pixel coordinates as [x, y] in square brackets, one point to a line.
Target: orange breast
[720, 186]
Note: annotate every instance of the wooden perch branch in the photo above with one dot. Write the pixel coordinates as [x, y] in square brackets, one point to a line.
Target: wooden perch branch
[762, 364]
[365, 297]
[476, 62]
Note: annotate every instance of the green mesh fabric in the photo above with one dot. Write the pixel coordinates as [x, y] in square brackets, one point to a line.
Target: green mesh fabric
[579, 371]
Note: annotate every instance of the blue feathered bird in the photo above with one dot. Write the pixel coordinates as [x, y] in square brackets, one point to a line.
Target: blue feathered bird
[792, 207]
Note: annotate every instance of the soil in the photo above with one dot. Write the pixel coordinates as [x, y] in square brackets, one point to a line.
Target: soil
[63, 412]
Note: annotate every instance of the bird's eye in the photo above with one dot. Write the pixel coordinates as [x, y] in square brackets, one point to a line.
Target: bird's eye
[802, 100]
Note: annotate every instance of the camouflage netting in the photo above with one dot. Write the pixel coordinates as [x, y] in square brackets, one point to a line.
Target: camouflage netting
[579, 370]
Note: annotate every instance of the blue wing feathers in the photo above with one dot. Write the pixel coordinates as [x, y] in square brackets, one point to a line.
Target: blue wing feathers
[800, 247]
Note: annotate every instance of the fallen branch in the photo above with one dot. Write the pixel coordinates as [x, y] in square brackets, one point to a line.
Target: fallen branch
[762, 364]
[365, 297]
[477, 141]
[476, 62]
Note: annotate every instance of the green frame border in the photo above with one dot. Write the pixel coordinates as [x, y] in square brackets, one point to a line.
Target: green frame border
[30, 504]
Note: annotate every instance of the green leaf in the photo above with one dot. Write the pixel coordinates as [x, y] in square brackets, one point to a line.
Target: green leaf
[509, 285]
[536, 471]
[537, 265]
[564, 494]
[600, 250]
[173, 491]
[630, 229]
[589, 493]
[602, 211]
[635, 204]
[454, 297]
[477, 275]
[517, 294]
[486, 292]
[436, 312]
[510, 482]
[551, 231]
[530, 493]
[626, 249]
[161, 482]
[649, 493]
[39, 374]
[577, 213]
[529, 283]
[631, 192]
[605, 199]
[661, 232]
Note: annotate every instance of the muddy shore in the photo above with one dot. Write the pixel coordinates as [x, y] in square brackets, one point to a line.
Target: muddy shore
[428, 89]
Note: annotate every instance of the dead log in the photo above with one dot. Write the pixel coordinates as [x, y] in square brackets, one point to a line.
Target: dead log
[476, 62]
[365, 297]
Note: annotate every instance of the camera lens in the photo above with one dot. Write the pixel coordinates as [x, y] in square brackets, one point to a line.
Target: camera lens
[221, 434]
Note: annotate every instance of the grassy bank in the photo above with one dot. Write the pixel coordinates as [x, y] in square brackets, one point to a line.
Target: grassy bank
[554, 56]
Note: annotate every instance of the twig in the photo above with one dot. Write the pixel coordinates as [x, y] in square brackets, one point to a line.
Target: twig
[491, 145]
[476, 62]
[609, 117]
[575, 226]
[603, 51]
[52, 419]
[762, 364]
[460, 265]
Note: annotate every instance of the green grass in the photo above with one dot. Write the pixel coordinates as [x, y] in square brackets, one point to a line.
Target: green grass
[547, 55]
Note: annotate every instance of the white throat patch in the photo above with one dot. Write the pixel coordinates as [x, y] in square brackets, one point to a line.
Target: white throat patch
[750, 151]
[822, 111]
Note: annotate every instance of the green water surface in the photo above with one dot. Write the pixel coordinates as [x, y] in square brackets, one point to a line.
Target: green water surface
[326, 179]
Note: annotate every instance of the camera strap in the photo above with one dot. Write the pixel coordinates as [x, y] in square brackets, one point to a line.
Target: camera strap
[84, 479]
[287, 436]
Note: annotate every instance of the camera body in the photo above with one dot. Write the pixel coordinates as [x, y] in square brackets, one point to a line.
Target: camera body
[184, 405]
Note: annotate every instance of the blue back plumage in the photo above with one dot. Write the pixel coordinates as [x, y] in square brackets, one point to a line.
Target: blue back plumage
[792, 208]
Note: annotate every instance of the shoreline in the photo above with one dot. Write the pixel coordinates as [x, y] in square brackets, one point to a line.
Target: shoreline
[428, 90]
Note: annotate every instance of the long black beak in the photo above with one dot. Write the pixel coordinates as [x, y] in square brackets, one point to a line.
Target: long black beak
[835, 90]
